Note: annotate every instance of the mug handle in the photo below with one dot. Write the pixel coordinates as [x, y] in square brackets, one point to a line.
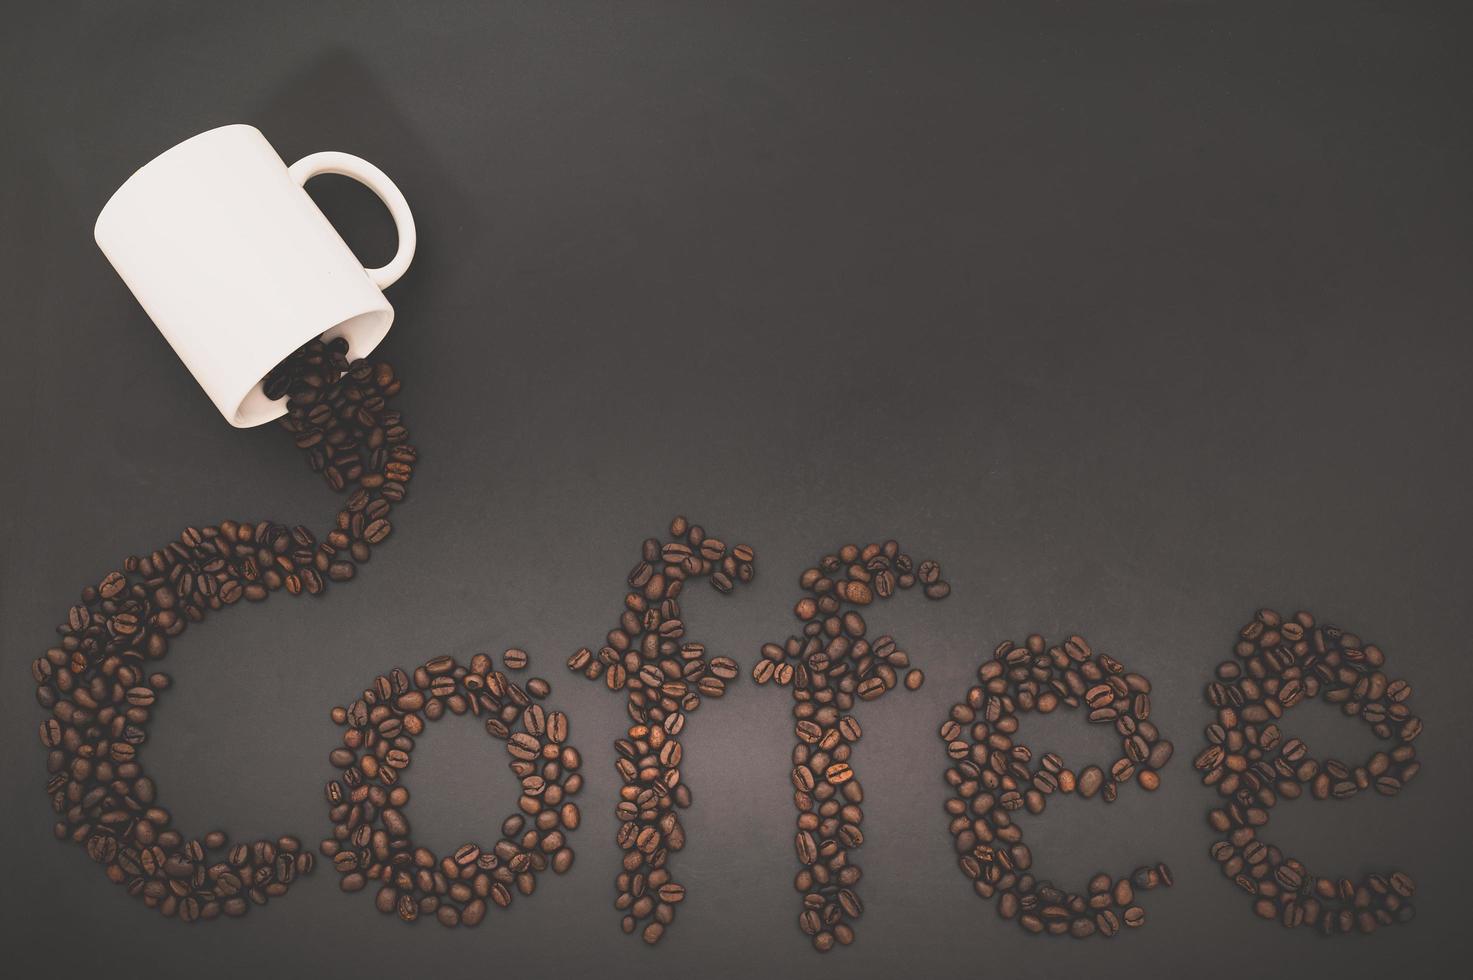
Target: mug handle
[346, 164]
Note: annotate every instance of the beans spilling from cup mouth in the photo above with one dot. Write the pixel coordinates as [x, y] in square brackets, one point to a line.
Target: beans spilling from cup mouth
[828, 667]
[98, 683]
[995, 778]
[371, 841]
[665, 675]
[1280, 662]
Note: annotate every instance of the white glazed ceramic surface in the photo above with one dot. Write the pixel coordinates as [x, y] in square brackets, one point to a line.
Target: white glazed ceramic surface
[238, 267]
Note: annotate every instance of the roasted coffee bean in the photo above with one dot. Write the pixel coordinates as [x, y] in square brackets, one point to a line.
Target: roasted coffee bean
[665, 676]
[453, 888]
[828, 667]
[100, 701]
[1280, 662]
[993, 777]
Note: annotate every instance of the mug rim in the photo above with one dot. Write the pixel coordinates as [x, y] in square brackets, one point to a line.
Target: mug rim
[377, 322]
[171, 151]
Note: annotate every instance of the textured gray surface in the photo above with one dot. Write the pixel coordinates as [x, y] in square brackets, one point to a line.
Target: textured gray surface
[1136, 316]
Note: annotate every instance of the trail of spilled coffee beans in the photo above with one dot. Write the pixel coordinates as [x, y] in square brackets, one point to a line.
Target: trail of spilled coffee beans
[1280, 663]
[667, 676]
[827, 667]
[97, 682]
[371, 837]
[993, 777]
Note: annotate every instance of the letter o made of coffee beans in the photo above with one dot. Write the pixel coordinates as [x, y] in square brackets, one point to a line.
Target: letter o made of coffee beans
[1278, 663]
[993, 776]
[371, 840]
[99, 688]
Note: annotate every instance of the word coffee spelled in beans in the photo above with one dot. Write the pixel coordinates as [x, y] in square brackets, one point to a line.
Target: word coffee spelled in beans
[995, 776]
[99, 689]
[1280, 662]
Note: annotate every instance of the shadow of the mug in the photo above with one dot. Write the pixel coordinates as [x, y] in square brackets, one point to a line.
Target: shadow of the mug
[335, 102]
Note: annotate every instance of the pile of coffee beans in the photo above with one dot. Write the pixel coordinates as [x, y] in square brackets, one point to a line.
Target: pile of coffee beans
[1279, 663]
[98, 686]
[666, 676]
[993, 776]
[371, 838]
[827, 667]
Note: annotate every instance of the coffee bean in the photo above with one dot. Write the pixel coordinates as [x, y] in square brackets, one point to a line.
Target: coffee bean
[524, 746]
[838, 774]
[937, 590]
[515, 659]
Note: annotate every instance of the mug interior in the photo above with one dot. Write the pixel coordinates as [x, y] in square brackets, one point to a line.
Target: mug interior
[362, 332]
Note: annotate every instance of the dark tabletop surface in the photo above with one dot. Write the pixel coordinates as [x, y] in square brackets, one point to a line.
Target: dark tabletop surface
[1137, 316]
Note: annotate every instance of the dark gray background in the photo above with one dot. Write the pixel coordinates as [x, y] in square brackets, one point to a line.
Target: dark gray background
[1135, 315]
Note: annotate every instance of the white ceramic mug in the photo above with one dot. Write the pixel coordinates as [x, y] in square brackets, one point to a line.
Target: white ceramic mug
[238, 267]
